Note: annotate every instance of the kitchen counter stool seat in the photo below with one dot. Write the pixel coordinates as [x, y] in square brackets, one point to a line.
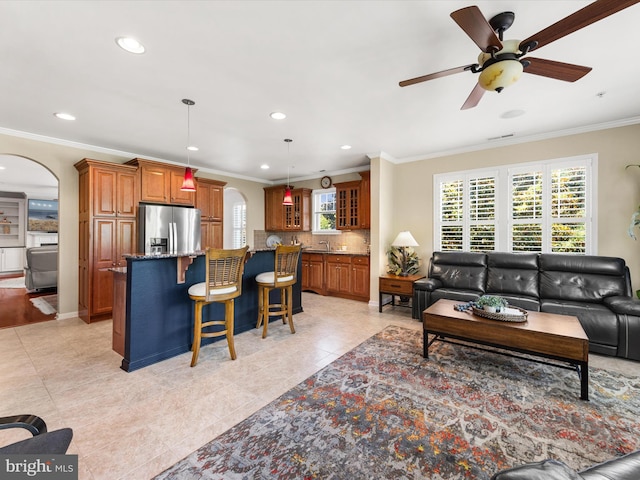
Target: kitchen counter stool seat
[223, 283]
[283, 277]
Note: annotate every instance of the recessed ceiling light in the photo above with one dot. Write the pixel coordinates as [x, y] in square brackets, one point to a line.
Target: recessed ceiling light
[264, 167]
[512, 114]
[130, 44]
[345, 147]
[64, 116]
[278, 115]
[193, 148]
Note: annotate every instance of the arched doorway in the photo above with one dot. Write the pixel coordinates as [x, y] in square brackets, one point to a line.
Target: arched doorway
[30, 191]
[235, 215]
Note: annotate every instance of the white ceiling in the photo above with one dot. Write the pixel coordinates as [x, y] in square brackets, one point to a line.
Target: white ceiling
[333, 67]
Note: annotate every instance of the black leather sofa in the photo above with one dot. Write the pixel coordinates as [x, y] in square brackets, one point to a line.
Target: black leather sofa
[595, 289]
[626, 467]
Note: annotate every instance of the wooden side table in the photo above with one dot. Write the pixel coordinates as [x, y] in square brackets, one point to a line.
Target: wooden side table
[395, 285]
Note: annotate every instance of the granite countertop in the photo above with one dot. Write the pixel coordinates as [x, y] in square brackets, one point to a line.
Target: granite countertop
[315, 250]
[155, 256]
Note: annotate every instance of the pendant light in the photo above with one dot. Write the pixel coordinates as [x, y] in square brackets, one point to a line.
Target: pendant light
[287, 193]
[188, 184]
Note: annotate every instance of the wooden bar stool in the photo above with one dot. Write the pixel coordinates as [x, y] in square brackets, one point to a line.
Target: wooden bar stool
[283, 277]
[223, 283]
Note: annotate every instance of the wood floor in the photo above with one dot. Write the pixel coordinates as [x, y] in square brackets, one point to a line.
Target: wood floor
[16, 309]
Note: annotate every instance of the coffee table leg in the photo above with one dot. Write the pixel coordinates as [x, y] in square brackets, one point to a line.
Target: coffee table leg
[584, 381]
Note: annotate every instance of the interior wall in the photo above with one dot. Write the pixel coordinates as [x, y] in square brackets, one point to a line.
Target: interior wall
[618, 189]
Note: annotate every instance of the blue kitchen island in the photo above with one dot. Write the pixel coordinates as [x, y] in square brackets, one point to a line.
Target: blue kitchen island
[158, 313]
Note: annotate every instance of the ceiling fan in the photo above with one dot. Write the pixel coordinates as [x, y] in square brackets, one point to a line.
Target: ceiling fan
[501, 62]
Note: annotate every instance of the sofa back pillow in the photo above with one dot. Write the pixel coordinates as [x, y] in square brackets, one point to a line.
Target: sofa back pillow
[582, 278]
[513, 273]
[462, 270]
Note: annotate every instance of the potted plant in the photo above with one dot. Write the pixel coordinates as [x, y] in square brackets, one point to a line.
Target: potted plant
[492, 303]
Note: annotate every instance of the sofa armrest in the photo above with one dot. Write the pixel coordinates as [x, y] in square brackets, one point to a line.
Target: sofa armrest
[626, 467]
[428, 284]
[623, 305]
[545, 470]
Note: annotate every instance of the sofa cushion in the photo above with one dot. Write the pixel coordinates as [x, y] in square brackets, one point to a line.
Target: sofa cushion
[626, 467]
[460, 270]
[528, 303]
[583, 278]
[454, 294]
[513, 273]
[598, 321]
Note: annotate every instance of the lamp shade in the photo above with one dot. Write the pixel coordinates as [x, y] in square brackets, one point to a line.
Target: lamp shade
[405, 239]
[501, 74]
[287, 197]
[188, 185]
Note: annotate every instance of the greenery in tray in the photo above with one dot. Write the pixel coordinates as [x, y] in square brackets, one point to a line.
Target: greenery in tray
[394, 256]
[492, 301]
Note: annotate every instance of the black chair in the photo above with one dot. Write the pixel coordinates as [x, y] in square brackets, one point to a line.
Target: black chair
[42, 442]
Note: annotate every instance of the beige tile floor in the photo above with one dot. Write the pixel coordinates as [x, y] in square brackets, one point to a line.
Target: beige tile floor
[134, 425]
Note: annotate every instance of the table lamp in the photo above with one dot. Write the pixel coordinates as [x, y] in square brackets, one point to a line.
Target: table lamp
[402, 241]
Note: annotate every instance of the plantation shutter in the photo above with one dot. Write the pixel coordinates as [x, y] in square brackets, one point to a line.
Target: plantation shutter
[526, 212]
[482, 214]
[568, 209]
[451, 215]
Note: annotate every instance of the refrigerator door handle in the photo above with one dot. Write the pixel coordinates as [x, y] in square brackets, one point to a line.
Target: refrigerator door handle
[171, 239]
[174, 244]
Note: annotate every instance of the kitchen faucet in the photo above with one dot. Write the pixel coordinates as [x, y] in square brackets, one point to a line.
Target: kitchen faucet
[325, 242]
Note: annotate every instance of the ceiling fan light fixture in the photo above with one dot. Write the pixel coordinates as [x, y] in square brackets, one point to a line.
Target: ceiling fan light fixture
[501, 74]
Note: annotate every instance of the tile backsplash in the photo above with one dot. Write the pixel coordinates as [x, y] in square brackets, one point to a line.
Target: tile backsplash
[356, 241]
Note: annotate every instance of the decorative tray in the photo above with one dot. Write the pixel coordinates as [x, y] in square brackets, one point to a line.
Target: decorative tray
[513, 314]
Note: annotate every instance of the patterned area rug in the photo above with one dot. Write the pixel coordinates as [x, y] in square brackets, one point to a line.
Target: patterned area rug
[382, 411]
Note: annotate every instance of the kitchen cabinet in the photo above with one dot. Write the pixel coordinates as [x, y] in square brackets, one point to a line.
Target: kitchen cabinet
[273, 208]
[353, 204]
[11, 259]
[339, 275]
[108, 199]
[161, 183]
[210, 201]
[297, 217]
[313, 272]
[278, 217]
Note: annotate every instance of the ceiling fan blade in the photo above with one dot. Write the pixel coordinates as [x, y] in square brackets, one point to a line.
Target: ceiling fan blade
[431, 76]
[558, 70]
[471, 20]
[586, 16]
[474, 97]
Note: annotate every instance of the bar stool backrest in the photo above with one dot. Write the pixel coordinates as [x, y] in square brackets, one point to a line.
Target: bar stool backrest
[286, 264]
[223, 273]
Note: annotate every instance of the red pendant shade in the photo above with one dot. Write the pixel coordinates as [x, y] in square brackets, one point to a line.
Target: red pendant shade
[287, 197]
[188, 185]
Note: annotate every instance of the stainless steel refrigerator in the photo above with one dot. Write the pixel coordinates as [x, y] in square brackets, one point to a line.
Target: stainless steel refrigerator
[168, 229]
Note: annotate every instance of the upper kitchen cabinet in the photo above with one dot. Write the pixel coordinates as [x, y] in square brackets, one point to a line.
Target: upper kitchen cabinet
[278, 217]
[209, 199]
[210, 202]
[353, 204]
[160, 183]
[273, 208]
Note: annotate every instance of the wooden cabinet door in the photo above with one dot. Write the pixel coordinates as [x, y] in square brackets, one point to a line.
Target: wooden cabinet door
[306, 274]
[203, 200]
[104, 192]
[126, 242]
[177, 196]
[348, 205]
[211, 235]
[360, 280]
[155, 182]
[316, 274]
[273, 208]
[104, 257]
[338, 274]
[217, 203]
[210, 200]
[365, 200]
[126, 194]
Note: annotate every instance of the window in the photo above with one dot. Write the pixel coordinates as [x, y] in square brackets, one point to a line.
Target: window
[324, 211]
[239, 225]
[544, 207]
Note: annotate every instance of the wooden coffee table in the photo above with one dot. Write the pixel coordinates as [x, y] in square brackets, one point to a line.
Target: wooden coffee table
[558, 337]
